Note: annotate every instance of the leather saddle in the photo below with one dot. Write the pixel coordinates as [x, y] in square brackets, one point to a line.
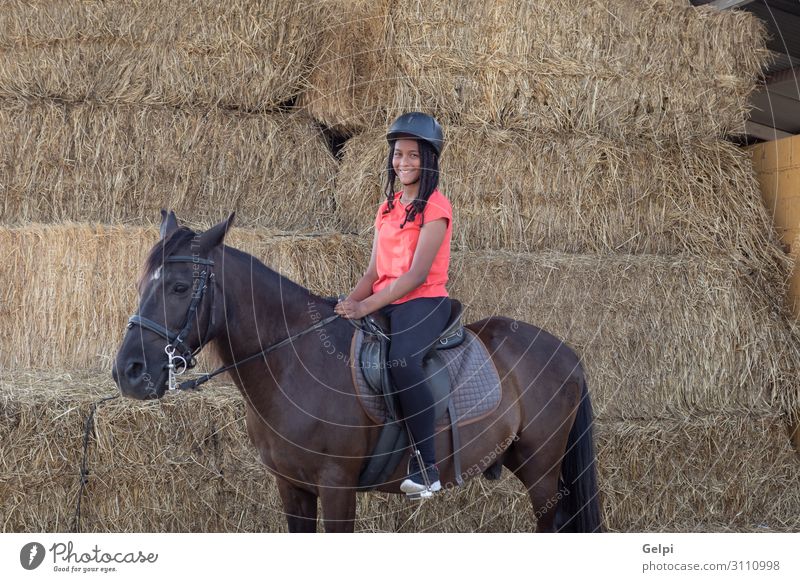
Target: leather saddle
[373, 357]
[375, 350]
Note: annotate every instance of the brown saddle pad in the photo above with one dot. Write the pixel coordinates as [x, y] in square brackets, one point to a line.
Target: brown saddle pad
[474, 382]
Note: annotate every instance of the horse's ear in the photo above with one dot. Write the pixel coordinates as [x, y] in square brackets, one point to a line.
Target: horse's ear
[214, 236]
[169, 222]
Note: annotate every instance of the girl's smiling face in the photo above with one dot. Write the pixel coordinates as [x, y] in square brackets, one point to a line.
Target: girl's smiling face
[406, 161]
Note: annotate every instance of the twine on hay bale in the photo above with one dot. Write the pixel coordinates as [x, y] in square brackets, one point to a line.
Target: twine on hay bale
[123, 164]
[614, 67]
[185, 464]
[240, 54]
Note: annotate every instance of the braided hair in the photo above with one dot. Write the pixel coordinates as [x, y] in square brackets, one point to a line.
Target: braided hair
[428, 180]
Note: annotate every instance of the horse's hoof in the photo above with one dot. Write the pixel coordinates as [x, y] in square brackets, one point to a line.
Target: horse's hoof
[493, 472]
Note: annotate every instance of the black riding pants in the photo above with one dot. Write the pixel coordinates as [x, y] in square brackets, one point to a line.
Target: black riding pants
[415, 325]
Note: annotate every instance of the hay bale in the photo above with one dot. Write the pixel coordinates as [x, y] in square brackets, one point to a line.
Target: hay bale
[185, 464]
[609, 67]
[717, 472]
[658, 334]
[207, 23]
[74, 286]
[240, 54]
[581, 193]
[122, 164]
[193, 449]
[793, 296]
[714, 473]
[42, 442]
[351, 82]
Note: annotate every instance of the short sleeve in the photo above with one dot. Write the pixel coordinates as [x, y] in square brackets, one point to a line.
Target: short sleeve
[438, 207]
[379, 216]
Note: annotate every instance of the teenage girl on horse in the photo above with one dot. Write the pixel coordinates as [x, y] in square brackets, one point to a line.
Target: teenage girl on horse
[314, 439]
[406, 279]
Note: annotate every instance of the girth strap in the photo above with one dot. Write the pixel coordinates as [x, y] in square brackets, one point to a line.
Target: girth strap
[451, 410]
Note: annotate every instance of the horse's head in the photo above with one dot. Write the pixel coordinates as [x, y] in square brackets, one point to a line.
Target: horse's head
[176, 315]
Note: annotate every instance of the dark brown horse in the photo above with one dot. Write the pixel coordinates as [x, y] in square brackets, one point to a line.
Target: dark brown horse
[302, 413]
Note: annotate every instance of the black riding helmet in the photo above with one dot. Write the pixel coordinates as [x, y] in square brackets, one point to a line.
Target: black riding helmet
[418, 125]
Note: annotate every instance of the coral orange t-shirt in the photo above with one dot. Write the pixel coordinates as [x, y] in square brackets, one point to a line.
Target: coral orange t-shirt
[396, 246]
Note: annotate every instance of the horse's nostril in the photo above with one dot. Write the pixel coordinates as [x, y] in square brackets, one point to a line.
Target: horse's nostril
[134, 371]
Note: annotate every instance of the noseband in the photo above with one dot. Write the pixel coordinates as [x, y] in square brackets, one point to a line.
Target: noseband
[185, 360]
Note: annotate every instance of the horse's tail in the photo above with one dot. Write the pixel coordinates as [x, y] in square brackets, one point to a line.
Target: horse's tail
[579, 507]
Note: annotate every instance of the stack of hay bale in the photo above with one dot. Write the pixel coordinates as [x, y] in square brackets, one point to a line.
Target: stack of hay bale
[110, 111]
[593, 195]
[117, 109]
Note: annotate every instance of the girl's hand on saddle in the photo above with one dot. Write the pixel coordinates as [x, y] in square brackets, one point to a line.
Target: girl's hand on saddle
[350, 309]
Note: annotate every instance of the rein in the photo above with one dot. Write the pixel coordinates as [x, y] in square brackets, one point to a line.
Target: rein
[186, 359]
[192, 384]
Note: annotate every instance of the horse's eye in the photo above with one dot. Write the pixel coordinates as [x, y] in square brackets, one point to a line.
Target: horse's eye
[180, 288]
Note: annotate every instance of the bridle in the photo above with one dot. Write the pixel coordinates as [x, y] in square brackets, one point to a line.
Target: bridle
[185, 360]
[178, 364]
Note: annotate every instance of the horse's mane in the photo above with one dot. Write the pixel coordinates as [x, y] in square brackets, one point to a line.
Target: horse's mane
[289, 288]
[182, 236]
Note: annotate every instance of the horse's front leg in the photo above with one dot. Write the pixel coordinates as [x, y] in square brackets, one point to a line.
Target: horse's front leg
[338, 509]
[299, 506]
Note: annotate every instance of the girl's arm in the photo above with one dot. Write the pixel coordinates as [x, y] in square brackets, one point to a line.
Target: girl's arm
[363, 288]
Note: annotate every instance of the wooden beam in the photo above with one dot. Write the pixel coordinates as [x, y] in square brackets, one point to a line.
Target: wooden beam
[764, 132]
[728, 4]
[792, 74]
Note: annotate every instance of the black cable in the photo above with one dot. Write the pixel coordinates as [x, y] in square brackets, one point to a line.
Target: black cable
[76, 528]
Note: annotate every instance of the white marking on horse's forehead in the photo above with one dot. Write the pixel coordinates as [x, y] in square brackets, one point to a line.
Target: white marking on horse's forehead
[156, 274]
